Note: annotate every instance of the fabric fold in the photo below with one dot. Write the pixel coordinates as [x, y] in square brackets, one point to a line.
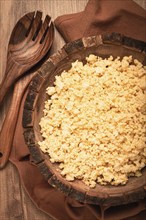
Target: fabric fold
[102, 16]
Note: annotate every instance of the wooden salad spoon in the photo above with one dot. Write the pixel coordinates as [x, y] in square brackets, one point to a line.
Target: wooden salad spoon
[29, 43]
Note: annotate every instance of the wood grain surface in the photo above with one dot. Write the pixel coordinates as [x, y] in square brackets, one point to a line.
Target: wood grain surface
[14, 202]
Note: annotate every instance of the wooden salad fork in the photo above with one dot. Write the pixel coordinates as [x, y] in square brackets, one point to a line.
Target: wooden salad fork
[29, 43]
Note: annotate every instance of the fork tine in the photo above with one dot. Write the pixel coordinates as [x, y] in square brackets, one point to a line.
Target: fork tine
[30, 18]
[48, 34]
[44, 27]
[36, 24]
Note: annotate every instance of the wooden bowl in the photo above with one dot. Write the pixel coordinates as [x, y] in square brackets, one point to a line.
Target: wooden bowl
[102, 45]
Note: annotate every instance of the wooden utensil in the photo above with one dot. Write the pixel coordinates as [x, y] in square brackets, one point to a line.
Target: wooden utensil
[29, 42]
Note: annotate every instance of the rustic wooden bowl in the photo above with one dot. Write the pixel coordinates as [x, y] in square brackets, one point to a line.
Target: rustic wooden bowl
[104, 46]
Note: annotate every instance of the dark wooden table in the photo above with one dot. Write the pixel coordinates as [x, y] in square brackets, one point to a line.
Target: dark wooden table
[14, 202]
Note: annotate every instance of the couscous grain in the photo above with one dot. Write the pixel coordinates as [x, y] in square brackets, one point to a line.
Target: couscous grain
[94, 122]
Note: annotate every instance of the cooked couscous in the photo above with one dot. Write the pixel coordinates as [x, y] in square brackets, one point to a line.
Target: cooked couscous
[94, 121]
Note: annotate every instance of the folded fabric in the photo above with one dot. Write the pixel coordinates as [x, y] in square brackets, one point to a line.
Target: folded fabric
[102, 16]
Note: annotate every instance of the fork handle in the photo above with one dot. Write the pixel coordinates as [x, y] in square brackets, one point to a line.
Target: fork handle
[9, 125]
[11, 73]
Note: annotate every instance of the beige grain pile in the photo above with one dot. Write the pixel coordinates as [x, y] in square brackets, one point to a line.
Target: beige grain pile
[94, 121]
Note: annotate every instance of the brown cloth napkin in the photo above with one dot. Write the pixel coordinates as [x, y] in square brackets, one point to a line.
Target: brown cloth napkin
[102, 16]
[99, 16]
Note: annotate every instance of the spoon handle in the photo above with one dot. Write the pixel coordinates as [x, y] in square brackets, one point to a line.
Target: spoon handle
[9, 125]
